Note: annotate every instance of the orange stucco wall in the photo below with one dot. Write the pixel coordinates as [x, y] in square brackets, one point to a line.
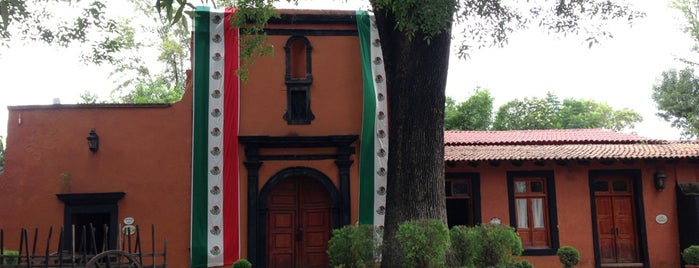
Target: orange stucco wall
[145, 152]
[336, 102]
[574, 209]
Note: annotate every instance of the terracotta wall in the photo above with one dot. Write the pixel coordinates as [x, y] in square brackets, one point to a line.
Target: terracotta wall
[145, 152]
[336, 92]
[336, 102]
[574, 206]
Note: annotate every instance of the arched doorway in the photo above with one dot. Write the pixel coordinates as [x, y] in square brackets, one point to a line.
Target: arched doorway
[299, 206]
[298, 224]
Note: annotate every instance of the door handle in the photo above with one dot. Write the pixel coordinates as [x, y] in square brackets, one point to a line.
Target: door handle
[299, 234]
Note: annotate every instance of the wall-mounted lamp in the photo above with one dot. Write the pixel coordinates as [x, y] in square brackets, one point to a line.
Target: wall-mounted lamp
[659, 180]
[93, 141]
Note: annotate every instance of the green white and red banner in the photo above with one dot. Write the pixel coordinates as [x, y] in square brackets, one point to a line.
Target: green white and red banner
[215, 234]
[373, 159]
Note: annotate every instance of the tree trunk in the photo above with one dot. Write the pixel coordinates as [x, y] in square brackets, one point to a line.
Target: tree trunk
[416, 74]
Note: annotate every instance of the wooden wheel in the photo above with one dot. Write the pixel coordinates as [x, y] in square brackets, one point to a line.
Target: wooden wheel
[113, 259]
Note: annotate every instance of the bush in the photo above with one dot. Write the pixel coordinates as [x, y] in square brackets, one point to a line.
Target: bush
[424, 243]
[690, 255]
[486, 245]
[463, 245]
[242, 263]
[521, 264]
[8, 257]
[569, 256]
[352, 246]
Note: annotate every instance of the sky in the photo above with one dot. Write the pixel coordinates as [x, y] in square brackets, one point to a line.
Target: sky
[620, 71]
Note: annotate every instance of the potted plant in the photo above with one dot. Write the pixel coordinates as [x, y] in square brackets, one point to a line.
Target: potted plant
[569, 256]
[690, 255]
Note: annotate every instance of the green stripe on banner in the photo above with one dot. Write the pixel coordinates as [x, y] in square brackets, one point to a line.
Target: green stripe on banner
[366, 157]
[200, 138]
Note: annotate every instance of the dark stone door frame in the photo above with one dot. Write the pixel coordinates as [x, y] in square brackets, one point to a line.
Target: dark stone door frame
[87, 203]
[254, 160]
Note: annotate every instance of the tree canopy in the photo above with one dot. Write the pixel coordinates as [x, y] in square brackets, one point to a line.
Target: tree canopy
[676, 93]
[677, 97]
[476, 113]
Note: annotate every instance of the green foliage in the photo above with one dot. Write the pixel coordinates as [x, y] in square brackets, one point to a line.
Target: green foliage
[486, 246]
[8, 257]
[352, 246]
[154, 91]
[413, 17]
[677, 97]
[534, 113]
[522, 264]
[689, 188]
[37, 20]
[490, 23]
[476, 113]
[690, 10]
[424, 243]
[550, 113]
[690, 255]
[591, 114]
[569, 256]
[242, 263]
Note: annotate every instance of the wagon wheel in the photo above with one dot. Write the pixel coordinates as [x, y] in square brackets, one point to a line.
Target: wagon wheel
[113, 259]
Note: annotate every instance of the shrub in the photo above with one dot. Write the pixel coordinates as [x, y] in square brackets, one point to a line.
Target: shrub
[463, 245]
[352, 246]
[486, 245]
[8, 257]
[242, 263]
[424, 243]
[690, 255]
[521, 264]
[569, 256]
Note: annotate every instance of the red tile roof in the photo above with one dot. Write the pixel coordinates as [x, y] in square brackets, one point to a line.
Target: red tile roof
[570, 144]
[541, 137]
[571, 152]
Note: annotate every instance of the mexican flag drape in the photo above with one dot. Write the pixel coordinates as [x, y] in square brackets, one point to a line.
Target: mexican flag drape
[215, 239]
[373, 162]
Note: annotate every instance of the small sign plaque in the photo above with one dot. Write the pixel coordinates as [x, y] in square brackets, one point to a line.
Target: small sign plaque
[128, 220]
[661, 219]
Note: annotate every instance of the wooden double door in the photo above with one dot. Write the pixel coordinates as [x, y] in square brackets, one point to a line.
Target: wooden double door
[617, 235]
[298, 224]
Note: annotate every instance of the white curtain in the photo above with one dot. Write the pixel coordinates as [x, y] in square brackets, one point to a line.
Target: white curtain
[521, 206]
[538, 212]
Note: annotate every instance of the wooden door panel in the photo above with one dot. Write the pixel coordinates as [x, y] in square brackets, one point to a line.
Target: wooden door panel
[540, 237]
[616, 225]
[281, 245]
[626, 250]
[607, 250]
[299, 224]
[315, 207]
[524, 236]
[282, 260]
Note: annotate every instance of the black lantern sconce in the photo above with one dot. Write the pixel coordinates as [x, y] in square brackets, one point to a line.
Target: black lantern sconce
[93, 141]
[659, 180]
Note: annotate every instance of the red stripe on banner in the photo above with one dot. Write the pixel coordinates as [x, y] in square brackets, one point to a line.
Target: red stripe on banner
[231, 221]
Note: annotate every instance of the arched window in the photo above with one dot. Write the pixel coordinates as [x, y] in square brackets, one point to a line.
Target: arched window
[298, 79]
